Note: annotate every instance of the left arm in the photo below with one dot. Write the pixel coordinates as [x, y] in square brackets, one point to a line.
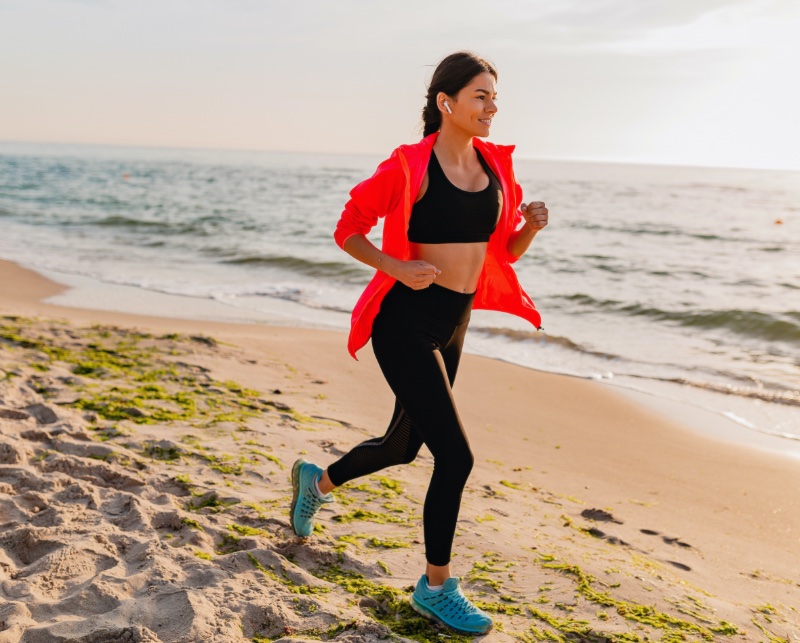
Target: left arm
[535, 214]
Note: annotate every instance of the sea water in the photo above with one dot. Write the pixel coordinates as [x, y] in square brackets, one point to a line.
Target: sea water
[656, 278]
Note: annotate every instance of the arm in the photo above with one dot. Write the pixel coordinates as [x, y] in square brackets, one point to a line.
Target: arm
[535, 214]
[370, 200]
[415, 274]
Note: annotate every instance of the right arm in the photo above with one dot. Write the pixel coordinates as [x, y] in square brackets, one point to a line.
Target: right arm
[369, 200]
[415, 274]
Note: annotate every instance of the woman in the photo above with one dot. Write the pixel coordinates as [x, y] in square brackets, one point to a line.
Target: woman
[452, 229]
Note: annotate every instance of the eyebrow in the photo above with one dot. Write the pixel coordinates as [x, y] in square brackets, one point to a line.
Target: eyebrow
[485, 91]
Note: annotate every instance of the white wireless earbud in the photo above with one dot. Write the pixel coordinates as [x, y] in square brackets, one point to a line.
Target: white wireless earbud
[447, 107]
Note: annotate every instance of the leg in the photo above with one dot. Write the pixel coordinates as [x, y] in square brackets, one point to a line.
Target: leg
[451, 355]
[399, 445]
[415, 369]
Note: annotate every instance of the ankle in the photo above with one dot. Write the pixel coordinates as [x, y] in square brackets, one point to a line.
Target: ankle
[324, 483]
[438, 576]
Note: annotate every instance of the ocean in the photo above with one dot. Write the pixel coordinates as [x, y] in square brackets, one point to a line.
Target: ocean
[679, 281]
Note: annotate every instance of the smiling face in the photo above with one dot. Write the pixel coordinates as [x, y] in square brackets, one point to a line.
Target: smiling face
[474, 106]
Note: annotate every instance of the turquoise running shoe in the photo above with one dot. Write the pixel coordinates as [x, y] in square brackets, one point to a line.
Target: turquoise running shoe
[305, 501]
[450, 607]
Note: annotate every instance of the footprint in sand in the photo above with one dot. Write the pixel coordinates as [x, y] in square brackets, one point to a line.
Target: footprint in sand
[597, 533]
[667, 539]
[680, 565]
[670, 541]
[599, 515]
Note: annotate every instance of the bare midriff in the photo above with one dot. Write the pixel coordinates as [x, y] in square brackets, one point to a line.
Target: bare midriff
[460, 263]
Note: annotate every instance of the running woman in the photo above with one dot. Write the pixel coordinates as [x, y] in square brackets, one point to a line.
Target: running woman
[454, 224]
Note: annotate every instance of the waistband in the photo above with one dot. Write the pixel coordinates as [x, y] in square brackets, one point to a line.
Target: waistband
[434, 301]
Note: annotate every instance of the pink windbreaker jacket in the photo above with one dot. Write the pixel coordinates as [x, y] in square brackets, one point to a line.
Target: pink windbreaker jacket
[390, 193]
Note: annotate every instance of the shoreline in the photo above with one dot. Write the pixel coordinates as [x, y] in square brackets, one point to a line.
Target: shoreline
[570, 478]
[688, 407]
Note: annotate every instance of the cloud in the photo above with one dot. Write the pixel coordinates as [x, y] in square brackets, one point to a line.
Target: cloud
[649, 27]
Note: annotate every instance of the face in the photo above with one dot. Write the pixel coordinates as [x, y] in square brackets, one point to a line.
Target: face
[474, 106]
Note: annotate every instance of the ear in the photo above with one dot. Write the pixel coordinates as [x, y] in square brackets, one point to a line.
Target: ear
[441, 97]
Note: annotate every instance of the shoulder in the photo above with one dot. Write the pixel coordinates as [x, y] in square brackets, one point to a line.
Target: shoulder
[389, 175]
[413, 152]
[403, 158]
[494, 149]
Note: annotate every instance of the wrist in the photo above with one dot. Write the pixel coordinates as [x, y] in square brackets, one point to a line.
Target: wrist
[384, 263]
[530, 229]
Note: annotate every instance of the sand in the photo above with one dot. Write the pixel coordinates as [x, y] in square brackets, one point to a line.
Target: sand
[144, 494]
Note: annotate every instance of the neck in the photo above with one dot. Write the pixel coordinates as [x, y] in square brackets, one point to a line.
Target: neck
[454, 145]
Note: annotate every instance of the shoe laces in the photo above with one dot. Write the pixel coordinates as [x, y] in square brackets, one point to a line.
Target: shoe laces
[462, 603]
[454, 603]
[310, 503]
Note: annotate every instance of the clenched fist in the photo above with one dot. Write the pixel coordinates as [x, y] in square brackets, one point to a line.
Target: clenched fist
[535, 214]
[415, 273]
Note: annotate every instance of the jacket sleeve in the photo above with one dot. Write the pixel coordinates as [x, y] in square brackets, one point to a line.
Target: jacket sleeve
[517, 218]
[372, 198]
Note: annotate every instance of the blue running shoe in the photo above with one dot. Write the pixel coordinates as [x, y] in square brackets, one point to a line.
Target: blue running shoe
[450, 607]
[305, 501]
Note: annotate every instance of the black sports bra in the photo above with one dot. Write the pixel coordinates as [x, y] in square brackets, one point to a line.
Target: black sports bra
[448, 214]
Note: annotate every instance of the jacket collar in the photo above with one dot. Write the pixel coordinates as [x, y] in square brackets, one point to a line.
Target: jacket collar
[418, 154]
[423, 147]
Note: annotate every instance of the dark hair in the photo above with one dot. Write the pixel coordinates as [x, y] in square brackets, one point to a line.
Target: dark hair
[452, 74]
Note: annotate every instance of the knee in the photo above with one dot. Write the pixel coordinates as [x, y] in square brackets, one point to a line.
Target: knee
[458, 464]
[408, 458]
[468, 461]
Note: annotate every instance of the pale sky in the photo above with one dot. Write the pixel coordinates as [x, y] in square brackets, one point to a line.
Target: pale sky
[692, 82]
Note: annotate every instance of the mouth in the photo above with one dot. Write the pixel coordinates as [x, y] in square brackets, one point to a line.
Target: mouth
[486, 121]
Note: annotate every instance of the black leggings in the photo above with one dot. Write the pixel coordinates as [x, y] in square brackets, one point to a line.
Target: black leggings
[417, 338]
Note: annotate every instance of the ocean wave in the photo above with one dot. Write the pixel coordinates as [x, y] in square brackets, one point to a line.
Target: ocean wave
[780, 327]
[751, 323]
[119, 221]
[296, 295]
[659, 232]
[554, 340]
[325, 269]
[286, 293]
[776, 396]
[200, 227]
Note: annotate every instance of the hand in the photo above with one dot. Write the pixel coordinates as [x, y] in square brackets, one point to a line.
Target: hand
[535, 214]
[416, 274]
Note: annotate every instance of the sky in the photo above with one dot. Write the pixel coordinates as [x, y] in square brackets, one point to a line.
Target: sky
[686, 82]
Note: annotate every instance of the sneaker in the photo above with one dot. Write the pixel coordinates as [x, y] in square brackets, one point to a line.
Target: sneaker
[450, 607]
[305, 501]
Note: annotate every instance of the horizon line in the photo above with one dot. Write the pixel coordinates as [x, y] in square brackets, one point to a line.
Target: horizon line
[574, 159]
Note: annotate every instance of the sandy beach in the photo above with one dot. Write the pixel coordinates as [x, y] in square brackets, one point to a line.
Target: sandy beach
[144, 494]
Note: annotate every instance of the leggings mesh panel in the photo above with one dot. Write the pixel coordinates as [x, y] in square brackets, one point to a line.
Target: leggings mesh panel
[399, 445]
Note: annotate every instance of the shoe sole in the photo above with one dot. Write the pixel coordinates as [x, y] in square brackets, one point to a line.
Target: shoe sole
[427, 613]
[295, 494]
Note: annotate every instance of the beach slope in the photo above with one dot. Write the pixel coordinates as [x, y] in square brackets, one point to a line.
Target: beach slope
[144, 494]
